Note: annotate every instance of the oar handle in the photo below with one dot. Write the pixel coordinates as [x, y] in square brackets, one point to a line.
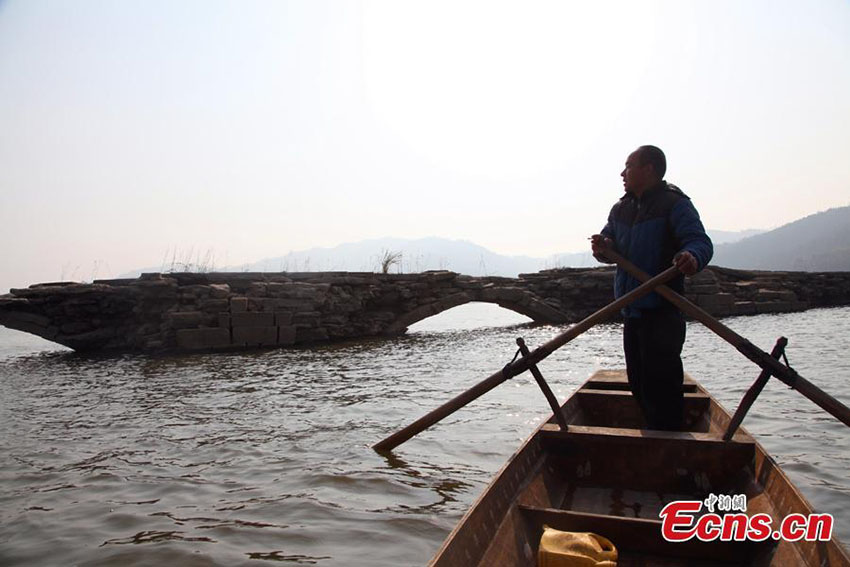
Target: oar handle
[523, 364]
[745, 347]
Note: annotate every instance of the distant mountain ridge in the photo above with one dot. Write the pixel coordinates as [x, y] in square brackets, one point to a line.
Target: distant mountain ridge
[435, 253]
[819, 242]
[417, 255]
[816, 243]
[729, 236]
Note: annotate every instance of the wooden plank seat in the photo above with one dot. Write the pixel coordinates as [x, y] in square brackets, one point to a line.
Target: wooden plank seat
[617, 380]
[641, 459]
[624, 386]
[618, 408]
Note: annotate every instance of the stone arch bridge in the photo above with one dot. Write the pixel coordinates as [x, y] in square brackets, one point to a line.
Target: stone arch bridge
[189, 311]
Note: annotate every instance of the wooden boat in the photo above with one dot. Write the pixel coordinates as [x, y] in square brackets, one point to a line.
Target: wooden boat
[609, 475]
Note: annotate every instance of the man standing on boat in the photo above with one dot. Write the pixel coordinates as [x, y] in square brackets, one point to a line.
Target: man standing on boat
[654, 225]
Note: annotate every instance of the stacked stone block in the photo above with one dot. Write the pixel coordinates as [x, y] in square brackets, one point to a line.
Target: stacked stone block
[219, 311]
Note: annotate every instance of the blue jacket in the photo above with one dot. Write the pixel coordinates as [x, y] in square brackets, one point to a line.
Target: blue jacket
[649, 231]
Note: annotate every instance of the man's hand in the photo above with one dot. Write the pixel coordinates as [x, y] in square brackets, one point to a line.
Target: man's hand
[686, 263]
[599, 244]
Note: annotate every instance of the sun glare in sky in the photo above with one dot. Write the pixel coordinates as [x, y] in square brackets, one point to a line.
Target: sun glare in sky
[504, 90]
[251, 129]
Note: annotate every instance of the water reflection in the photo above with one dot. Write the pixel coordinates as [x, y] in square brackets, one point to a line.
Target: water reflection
[219, 458]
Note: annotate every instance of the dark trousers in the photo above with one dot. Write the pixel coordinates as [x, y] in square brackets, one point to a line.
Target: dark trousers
[653, 346]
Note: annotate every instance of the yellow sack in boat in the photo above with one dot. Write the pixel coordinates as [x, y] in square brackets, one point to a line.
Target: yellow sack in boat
[575, 549]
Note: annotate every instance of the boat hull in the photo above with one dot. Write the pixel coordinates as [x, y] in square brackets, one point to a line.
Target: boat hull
[610, 475]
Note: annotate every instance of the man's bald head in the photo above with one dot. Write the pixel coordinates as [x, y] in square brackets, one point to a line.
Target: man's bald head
[651, 155]
[645, 167]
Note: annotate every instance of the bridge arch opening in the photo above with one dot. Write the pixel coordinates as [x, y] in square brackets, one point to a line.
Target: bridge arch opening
[18, 343]
[469, 316]
[510, 298]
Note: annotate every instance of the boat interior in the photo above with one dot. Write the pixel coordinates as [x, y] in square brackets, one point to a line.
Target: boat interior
[610, 475]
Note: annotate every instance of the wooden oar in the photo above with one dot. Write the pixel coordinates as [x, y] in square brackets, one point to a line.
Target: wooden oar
[521, 365]
[787, 375]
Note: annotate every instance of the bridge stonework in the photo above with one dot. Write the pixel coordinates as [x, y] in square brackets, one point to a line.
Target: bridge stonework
[225, 311]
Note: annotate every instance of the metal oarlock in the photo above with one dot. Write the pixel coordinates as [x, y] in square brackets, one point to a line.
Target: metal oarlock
[751, 395]
[547, 391]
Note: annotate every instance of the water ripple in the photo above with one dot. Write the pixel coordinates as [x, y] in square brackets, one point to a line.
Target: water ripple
[231, 459]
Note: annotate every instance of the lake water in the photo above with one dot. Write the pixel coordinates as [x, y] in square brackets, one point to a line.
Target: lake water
[265, 458]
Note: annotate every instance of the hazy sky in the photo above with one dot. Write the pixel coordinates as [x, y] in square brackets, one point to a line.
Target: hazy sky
[129, 129]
